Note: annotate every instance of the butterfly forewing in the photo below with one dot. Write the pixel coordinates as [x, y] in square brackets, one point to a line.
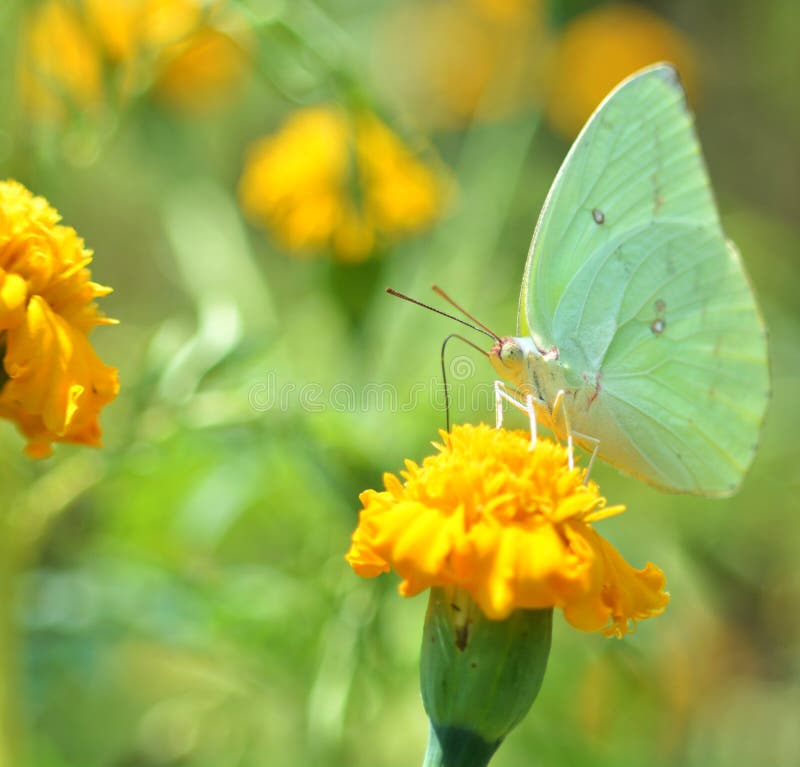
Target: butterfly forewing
[631, 277]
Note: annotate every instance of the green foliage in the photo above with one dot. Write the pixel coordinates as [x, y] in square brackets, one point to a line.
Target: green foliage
[181, 596]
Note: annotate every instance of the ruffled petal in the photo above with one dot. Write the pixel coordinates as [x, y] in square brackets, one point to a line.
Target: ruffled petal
[56, 381]
[623, 596]
[509, 526]
[13, 294]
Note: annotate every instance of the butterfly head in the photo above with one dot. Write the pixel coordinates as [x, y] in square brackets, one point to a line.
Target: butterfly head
[508, 357]
[512, 357]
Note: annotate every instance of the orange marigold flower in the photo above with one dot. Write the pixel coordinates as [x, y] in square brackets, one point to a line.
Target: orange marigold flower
[297, 182]
[511, 526]
[600, 48]
[52, 383]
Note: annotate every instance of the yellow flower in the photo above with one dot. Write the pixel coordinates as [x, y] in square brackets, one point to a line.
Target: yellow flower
[400, 193]
[52, 383]
[203, 72]
[59, 68]
[509, 10]
[128, 28]
[602, 47]
[470, 59]
[511, 526]
[298, 182]
[192, 54]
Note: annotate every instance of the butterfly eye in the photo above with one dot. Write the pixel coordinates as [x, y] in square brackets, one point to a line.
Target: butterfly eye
[510, 352]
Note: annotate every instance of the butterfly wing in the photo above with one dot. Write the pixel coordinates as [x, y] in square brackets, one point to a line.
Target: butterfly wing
[631, 277]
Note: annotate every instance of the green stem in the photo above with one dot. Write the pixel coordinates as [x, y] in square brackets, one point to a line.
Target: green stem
[10, 727]
[25, 520]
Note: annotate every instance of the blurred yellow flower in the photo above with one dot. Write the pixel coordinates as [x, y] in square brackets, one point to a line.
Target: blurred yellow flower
[52, 383]
[470, 59]
[511, 526]
[127, 28]
[203, 72]
[510, 10]
[193, 54]
[299, 181]
[59, 68]
[599, 49]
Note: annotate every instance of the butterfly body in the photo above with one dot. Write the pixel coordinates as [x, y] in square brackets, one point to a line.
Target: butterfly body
[635, 305]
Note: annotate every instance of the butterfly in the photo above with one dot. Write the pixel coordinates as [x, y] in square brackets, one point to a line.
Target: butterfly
[638, 334]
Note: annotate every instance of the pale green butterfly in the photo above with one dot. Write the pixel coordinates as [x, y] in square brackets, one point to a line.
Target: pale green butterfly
[636, 316]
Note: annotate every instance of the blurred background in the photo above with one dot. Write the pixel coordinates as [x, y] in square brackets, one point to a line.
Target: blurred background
[251, 176]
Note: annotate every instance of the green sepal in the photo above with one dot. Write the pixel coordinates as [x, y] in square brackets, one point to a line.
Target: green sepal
[478, 677]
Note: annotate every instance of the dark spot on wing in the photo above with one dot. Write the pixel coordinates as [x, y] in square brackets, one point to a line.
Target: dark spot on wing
[598, 216]
[659, 323]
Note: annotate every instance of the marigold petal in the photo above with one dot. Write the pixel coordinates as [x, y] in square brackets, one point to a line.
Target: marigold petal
[623, 596]
[494, 593]
[13, 293]
[631, 594]
[363, 559]
[56, 377]
[578, 503]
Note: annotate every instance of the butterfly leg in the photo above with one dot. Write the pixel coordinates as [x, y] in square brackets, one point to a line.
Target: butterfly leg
[594, 441]
[556, 405]
[501, 392]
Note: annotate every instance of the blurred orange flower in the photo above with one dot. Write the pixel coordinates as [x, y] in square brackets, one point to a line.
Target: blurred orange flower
[327, 179]
[192, 54]
[602, 47]
[469, 58]
[52, 384]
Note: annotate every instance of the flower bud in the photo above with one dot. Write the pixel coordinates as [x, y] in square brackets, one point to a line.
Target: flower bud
[478, 676]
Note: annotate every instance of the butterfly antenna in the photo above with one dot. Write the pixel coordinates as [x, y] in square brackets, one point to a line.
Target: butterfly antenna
[480, 327]
[444, 372]
[440, 292]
